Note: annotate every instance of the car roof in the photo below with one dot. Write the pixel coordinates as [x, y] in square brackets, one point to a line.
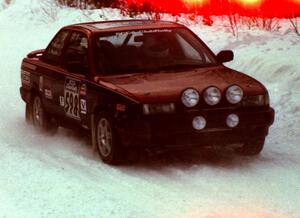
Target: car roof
[123, 25]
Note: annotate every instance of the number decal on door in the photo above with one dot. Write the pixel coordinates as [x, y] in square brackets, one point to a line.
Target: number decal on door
[71, 94]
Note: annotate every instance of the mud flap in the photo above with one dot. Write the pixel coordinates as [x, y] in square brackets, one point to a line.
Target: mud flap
[28, 113]
[93, 132]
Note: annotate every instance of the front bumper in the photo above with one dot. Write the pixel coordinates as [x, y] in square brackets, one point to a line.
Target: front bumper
[175, 130]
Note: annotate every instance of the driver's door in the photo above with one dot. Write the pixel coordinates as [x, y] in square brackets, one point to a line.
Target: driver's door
[73, 87]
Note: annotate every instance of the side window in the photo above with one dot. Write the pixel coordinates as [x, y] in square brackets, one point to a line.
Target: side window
[76, 55]
[54, 50]
[193, 50]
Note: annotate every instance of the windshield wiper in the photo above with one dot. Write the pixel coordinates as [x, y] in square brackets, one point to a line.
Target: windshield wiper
[181, 66]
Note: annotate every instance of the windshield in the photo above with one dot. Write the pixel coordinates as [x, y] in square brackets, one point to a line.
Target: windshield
[150, 50]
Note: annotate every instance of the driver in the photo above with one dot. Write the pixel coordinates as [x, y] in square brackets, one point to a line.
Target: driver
[155, 47]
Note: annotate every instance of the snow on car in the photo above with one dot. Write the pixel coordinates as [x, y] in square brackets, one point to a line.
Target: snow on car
[131, 82]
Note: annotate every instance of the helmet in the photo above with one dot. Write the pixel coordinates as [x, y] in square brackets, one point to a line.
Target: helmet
[155, 48]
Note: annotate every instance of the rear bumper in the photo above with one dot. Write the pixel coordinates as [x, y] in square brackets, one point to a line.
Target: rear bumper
[167, 131]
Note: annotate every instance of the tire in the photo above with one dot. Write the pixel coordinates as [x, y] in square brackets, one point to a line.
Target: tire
[39, 118]
[252, 147]
[107, 140]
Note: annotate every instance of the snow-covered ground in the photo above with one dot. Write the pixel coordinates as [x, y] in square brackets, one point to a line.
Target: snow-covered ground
[60, 176]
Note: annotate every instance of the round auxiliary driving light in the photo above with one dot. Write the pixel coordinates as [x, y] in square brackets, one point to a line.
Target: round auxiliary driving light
[234, 94]
[199, 123]
[232, 120]
[212, 96]
[190, 97]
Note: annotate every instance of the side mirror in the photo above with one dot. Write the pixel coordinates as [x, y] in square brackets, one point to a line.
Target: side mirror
[37, 53]
[225, 56]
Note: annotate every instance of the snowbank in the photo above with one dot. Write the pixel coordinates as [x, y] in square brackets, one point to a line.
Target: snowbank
[59, 176]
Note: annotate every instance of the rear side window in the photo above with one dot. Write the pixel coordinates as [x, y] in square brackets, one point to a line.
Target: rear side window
[54, 50]
[76, 54]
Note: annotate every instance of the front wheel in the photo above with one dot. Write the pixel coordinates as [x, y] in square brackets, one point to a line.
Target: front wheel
[107, 140]
[252, 147]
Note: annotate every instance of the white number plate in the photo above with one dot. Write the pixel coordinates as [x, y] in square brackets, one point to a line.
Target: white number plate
[71, 95]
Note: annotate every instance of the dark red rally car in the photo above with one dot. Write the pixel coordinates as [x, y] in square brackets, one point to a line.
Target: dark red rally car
[143, 84]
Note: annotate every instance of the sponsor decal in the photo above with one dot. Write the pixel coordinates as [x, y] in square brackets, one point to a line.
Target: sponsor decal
[41, 83]
[157, 31]
[121, 107]
[83, 89]
[25, 77]
[48, 93]
[61, 101]
[83, 106]
[72, 85]
[71, 98]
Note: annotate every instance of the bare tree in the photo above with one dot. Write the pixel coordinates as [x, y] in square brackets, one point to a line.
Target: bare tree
[233, 22]
[50, 9]
[294, 22]
[261, 22]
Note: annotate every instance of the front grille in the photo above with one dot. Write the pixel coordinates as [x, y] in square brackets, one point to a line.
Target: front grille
[176, 129]
[215, 119]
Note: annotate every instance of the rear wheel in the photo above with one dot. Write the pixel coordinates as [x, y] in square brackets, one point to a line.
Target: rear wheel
[252, 147]
[40, 119]
[107, 140]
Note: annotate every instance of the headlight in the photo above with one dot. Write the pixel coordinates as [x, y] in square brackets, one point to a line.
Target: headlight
[212, 95]
[199, 123]
[232, 120]
[158, 108]
[234, 94]
[190, 97]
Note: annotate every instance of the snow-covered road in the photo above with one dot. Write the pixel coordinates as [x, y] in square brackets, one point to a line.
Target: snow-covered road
[59, 176]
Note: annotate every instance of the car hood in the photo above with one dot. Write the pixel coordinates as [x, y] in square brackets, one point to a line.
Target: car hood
[168, 86]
